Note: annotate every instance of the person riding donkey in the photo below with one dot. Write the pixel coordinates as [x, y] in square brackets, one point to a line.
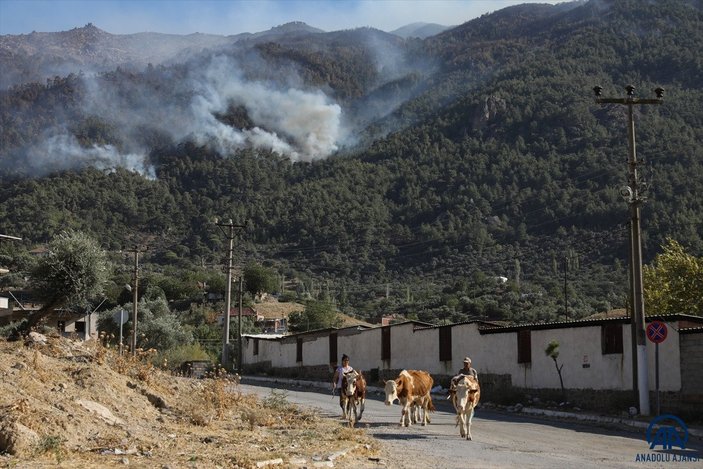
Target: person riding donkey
[467, 370]
[338, 375]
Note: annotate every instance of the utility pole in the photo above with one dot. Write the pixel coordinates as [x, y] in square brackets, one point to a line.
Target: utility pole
[631, 193]
[135, 288]
[566, 297]
[228, 292]
[239, 326]
[570, 260]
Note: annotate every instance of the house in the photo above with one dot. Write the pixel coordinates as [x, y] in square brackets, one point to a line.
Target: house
[247, 312]
[274, 314]
[76, 325]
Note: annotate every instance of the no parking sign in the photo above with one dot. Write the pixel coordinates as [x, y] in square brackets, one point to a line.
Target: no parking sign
[656, 332]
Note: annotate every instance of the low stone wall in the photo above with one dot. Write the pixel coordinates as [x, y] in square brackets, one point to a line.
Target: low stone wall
[610, 401]
[313, 373]
[260, 368]
[688, 407]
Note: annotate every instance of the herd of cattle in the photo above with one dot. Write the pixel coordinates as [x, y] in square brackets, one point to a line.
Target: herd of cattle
[412, 390]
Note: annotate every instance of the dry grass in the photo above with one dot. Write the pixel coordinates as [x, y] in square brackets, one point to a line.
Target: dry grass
[80, 405]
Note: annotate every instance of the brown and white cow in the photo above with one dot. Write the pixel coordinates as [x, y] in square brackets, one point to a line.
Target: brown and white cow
[465, 399]
[411, 388]
[353, 393]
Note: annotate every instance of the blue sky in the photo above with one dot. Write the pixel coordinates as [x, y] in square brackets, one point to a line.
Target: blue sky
[236, 16]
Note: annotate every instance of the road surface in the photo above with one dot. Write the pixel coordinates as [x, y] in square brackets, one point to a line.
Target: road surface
[499, 440]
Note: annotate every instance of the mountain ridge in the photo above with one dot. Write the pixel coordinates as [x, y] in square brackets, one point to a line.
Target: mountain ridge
[426, 165]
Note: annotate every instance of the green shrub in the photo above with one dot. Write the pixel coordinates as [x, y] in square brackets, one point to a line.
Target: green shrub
[173, 358]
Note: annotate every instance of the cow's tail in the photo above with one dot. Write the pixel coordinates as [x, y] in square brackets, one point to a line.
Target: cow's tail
[430, 405]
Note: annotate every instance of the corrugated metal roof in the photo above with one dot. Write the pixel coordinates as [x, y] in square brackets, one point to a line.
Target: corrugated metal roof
[472, 321]
[588, 322]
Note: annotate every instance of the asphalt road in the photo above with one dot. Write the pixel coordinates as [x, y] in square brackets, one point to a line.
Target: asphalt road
[500, 440]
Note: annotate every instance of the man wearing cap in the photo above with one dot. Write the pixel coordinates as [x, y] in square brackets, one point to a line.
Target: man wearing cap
[468, 370]
[339, 374]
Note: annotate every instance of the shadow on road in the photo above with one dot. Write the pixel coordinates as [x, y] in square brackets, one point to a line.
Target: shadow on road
[399, 436]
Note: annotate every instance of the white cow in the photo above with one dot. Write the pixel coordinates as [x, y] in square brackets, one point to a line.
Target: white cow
[465, 399]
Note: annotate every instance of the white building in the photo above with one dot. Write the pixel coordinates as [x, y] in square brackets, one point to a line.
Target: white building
[596, 355]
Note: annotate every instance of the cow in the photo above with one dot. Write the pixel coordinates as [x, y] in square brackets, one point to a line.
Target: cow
[411, 388]
[465, 399]
[353, 394]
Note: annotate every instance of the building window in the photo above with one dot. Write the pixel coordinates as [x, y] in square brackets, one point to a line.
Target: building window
[386, 343]
[611, 338]
[80, 327]
[299, 350]
[256, 346]
[61, 326]
[445, 343]
[524, 346]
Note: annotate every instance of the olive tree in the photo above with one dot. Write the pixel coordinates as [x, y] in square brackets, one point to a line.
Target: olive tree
[317, 315]
[673, 282]
[259, 279]
[72, 274]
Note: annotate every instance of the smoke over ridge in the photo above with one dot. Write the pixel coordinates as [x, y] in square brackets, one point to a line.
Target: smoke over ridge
[64, 151]
[299, 124]
[303, 125]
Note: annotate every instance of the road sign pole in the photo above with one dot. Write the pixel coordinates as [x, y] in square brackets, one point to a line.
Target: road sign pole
[656, 332]
[656, 364]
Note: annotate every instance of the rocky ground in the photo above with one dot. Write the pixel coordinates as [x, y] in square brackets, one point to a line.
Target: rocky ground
[77, 404]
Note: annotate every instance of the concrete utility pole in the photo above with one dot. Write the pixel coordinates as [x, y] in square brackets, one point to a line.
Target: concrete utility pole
[632, 195]
[135, 296]
[228, 291]
[239, 327]
[566, 295]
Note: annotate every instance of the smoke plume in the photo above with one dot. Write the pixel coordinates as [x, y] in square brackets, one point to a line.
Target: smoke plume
[302, 125]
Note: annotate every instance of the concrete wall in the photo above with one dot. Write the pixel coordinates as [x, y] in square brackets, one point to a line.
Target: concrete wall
[363, 348]
[578, 347]
[691, 363]
[316, 351]
[468, 342]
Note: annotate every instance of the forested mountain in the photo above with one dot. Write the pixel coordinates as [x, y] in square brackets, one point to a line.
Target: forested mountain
[391, 175]
[419, 30]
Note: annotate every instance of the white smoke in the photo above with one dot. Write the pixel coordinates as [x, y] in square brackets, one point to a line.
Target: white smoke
[64, 151]
[299, 124]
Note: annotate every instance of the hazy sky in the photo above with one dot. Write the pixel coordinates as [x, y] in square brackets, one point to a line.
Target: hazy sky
[236, 16]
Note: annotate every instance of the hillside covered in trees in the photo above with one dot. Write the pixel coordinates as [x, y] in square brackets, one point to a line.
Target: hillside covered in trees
[466, 175]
